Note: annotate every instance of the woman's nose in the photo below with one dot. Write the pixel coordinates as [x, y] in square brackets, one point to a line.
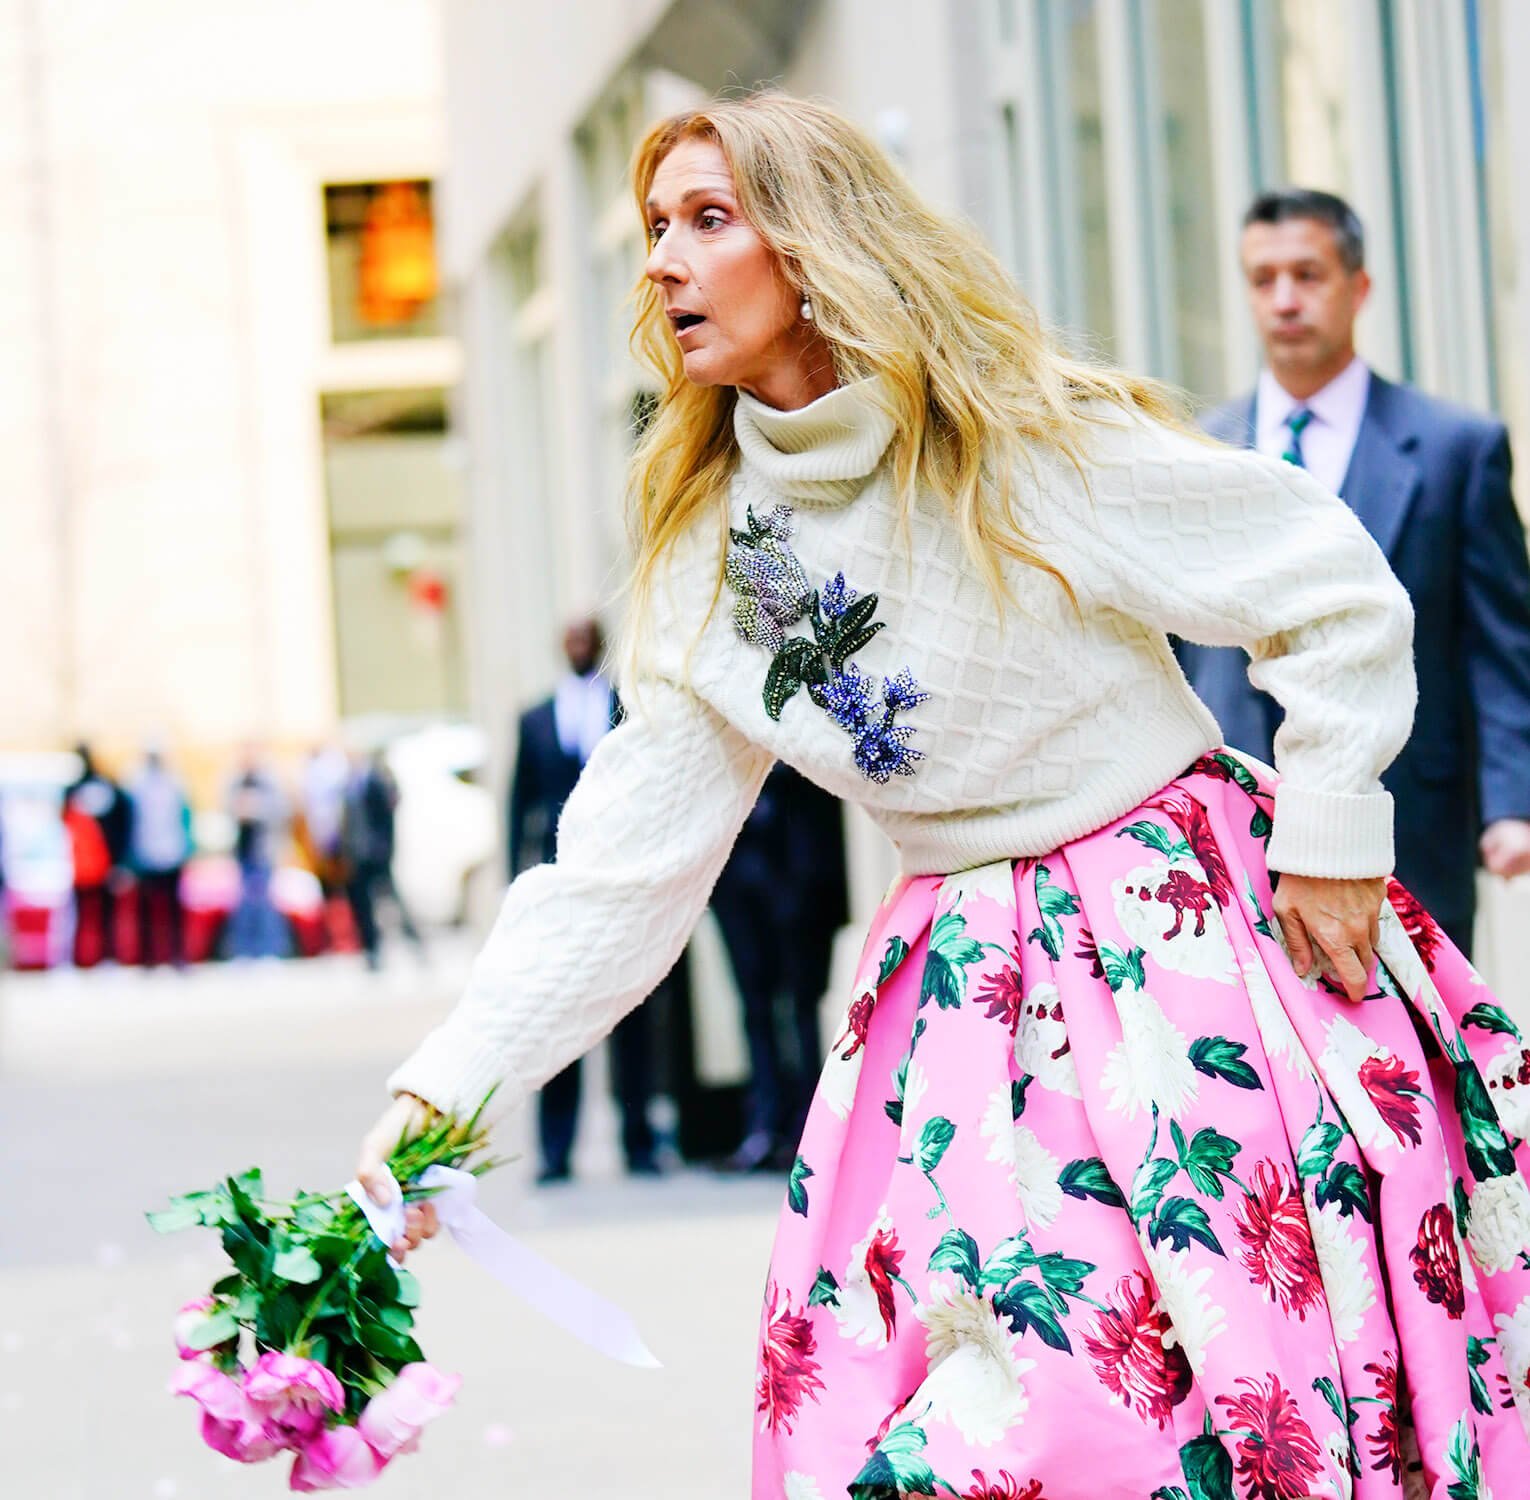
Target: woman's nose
[663, 265]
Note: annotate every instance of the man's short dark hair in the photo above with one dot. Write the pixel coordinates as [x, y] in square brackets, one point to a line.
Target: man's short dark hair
[1281, 204]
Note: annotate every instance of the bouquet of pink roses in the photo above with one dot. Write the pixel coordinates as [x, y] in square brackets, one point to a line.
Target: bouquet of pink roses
[306, 1346]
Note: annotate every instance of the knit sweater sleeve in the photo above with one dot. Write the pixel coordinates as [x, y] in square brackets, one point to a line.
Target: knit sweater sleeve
[1226, 547]
[580, 942]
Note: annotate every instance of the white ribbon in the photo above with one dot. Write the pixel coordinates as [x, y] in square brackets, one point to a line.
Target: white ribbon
[591, 1318]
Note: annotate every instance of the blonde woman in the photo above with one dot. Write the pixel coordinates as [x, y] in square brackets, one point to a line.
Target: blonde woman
[1131, 1170]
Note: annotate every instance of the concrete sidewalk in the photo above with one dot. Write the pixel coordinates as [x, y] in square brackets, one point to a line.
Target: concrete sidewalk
[118, 1089]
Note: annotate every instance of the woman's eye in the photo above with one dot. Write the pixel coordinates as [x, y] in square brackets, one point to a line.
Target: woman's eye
[655, 233]
[711, 219]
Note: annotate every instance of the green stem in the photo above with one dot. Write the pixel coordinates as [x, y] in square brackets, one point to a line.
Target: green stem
[322, 1295]
[946, 1207]
[907, 1288]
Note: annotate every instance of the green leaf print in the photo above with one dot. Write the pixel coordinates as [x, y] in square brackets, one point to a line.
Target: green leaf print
[957, 1251]
[1345, 1411]
[1122, 967]
[894, 1106]
[1055, 903]
[936, 1136]
[1490, 1018]
[1217, 1057]
[825, 1292]
[1010, 1257]
[893, 955]
[1169, 1492]
[796, 1191]
[1148, 1183]
[1261, 921]
[1061, 1274]
[1180, 1220]
[1315, 1156]
[1465, 1460]
[1345, 1185]
[1088, 1177]
[1463, 1207]
[1017, 1088]
[1207, 1158]
[896, 1468]
[945, 966]
[1208, 1468]
[1157, 837]
[1487, 1149]
[1476, 1357]
[1261, 825]
[1028, 1305]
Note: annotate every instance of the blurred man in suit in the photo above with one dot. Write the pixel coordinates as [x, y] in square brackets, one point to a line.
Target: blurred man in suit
[1431, 483]
[553, 742]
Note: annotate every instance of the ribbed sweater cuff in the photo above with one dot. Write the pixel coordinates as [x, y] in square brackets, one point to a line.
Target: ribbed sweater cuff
[1334, 835]
[454, 1072]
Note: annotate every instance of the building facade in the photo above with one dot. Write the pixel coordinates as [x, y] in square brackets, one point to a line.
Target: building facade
[1107, 148]
[231, 507]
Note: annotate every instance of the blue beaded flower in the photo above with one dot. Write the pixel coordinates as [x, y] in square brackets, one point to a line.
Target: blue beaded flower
[771, 593]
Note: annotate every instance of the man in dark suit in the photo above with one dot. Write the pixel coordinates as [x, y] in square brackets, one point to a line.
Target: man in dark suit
[553, 742]
[1431, 483]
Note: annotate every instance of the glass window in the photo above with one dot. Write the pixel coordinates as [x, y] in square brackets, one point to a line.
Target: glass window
[1195, 256]
[382, 261]
[1315, 94]
[393, 516]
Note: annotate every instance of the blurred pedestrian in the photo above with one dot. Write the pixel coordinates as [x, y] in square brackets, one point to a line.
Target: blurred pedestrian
[316, 829]
[96, 795]
[159, 847]
[778, 902]
[259, 810]
[1430, 481]
[554, 741]
[366, 851]
[92, 864]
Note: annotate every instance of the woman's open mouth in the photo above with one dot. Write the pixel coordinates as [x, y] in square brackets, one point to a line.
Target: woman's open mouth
[685, 323]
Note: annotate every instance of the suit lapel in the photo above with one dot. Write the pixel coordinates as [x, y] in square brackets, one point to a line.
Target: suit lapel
[1383, 479]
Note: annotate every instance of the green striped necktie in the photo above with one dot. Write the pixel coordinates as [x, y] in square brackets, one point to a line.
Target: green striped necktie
[1297, 423]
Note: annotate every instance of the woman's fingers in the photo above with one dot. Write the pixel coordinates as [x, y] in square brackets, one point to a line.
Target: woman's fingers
[402, 1119]
[1298, 945]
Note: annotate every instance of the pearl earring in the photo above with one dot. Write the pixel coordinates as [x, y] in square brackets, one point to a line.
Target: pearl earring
[806, 308]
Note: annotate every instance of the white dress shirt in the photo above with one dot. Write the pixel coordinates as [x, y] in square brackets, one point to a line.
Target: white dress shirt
[582, 712]
[1328, 441]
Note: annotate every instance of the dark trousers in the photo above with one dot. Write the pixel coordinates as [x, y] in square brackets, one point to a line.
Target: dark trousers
[769, 962]
[368, 882]
[93, 912]
[631, 1084]
[160, 890]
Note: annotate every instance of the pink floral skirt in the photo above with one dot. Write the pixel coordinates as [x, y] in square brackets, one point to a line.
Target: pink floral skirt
[1097, 1198]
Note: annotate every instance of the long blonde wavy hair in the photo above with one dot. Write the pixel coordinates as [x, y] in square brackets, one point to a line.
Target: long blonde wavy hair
[976, 382]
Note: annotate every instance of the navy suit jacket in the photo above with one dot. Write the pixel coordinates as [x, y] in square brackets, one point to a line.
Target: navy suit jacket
[1431, 483]
[544, 777]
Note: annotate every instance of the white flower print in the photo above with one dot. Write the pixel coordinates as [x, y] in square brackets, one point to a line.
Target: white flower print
[801, 1486]
[995, 882]
[1498, 1226]
[1151, 1063]
[1151, 908]
[916, 1085]
[1041, 1043]
[1031, 1168]
[975, 1380]
[1504, 1080]
[1347, 1284]
[841, 1073]
[1182, 1295]
[1514, 1351]
[1337, 1444]
[858, 1312]
[1343, 1055]
[1281, 1043]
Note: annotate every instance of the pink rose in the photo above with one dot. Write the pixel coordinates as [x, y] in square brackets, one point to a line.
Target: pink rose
[292, 1395]
[230, 1425]
[392, 1419]
[337, 1459]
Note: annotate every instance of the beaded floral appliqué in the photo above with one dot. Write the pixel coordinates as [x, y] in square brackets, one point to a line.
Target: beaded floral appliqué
[771, 594]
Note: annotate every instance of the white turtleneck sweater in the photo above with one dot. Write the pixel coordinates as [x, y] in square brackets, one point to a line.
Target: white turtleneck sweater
[1036, 727]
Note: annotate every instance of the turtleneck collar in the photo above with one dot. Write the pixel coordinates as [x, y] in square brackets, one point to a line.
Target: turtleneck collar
[821, 453]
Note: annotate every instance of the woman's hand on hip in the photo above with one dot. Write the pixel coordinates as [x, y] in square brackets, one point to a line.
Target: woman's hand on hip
[1339, 920]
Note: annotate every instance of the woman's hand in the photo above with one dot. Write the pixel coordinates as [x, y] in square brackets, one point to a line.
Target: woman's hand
[404, 1119]
[1337, 919]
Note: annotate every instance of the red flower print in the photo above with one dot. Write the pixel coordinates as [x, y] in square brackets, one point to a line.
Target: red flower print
[1437, 1261]
[1129, 1356]
[883, 1257]
[1003, 1486]
[1386, 1441]
[1182, 892]
[1278, 1457]
[788, 1371]
[1277, 1241]
[1394, 1091]
[859, 1021]
[1089, 951]
[1209, 765]
[1002, 995]
[1417, 923]
[1189, 815]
